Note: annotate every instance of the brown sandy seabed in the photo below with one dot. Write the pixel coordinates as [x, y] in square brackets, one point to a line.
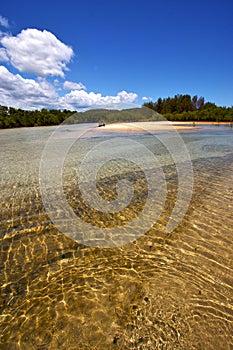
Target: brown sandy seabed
[170, 292]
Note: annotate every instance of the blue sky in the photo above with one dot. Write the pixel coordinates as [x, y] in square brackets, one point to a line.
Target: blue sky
[122, 52]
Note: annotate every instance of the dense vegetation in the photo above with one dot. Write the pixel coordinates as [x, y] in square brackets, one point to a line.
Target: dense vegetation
[187, 108]
[180, 108]
[14, 118]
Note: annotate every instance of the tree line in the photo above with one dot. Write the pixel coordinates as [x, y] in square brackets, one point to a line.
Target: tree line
[15, 118]
[187, 108]
[177, 108]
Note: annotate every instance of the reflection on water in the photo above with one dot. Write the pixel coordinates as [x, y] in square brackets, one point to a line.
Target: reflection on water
[160, 292]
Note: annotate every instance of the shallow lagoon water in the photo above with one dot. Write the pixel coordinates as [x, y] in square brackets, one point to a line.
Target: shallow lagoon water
[162, 291]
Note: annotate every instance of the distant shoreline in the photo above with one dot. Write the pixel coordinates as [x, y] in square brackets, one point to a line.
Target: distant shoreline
[128, 126]
[16, 118]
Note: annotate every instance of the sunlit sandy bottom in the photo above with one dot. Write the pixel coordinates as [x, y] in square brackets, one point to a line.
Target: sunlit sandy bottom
[163, 291]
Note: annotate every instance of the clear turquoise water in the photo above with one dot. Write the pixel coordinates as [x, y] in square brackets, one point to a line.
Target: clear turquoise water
[162, 291]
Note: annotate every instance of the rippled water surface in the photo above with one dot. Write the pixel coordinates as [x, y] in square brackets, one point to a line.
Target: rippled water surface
[162, 291]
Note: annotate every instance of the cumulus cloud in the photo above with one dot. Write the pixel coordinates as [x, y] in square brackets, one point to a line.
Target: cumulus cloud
[3, 55]
[4, 22]
[42, 54]
[15, 91]
[144, 98]
[82, 99]
[18, 92]
[69, 85]
[37, 52]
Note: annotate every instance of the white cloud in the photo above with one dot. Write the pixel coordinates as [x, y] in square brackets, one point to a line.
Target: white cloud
[56, 82]
[144, 98]
[37, 52]
[4, 22]
[82, 99]
[2, 34]
[69, 85]
[3, 55]
[18, 92]
[41, 53]
[15, 91]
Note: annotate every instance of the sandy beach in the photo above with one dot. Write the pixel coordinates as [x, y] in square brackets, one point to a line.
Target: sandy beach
[153, 126]
[159, 126]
